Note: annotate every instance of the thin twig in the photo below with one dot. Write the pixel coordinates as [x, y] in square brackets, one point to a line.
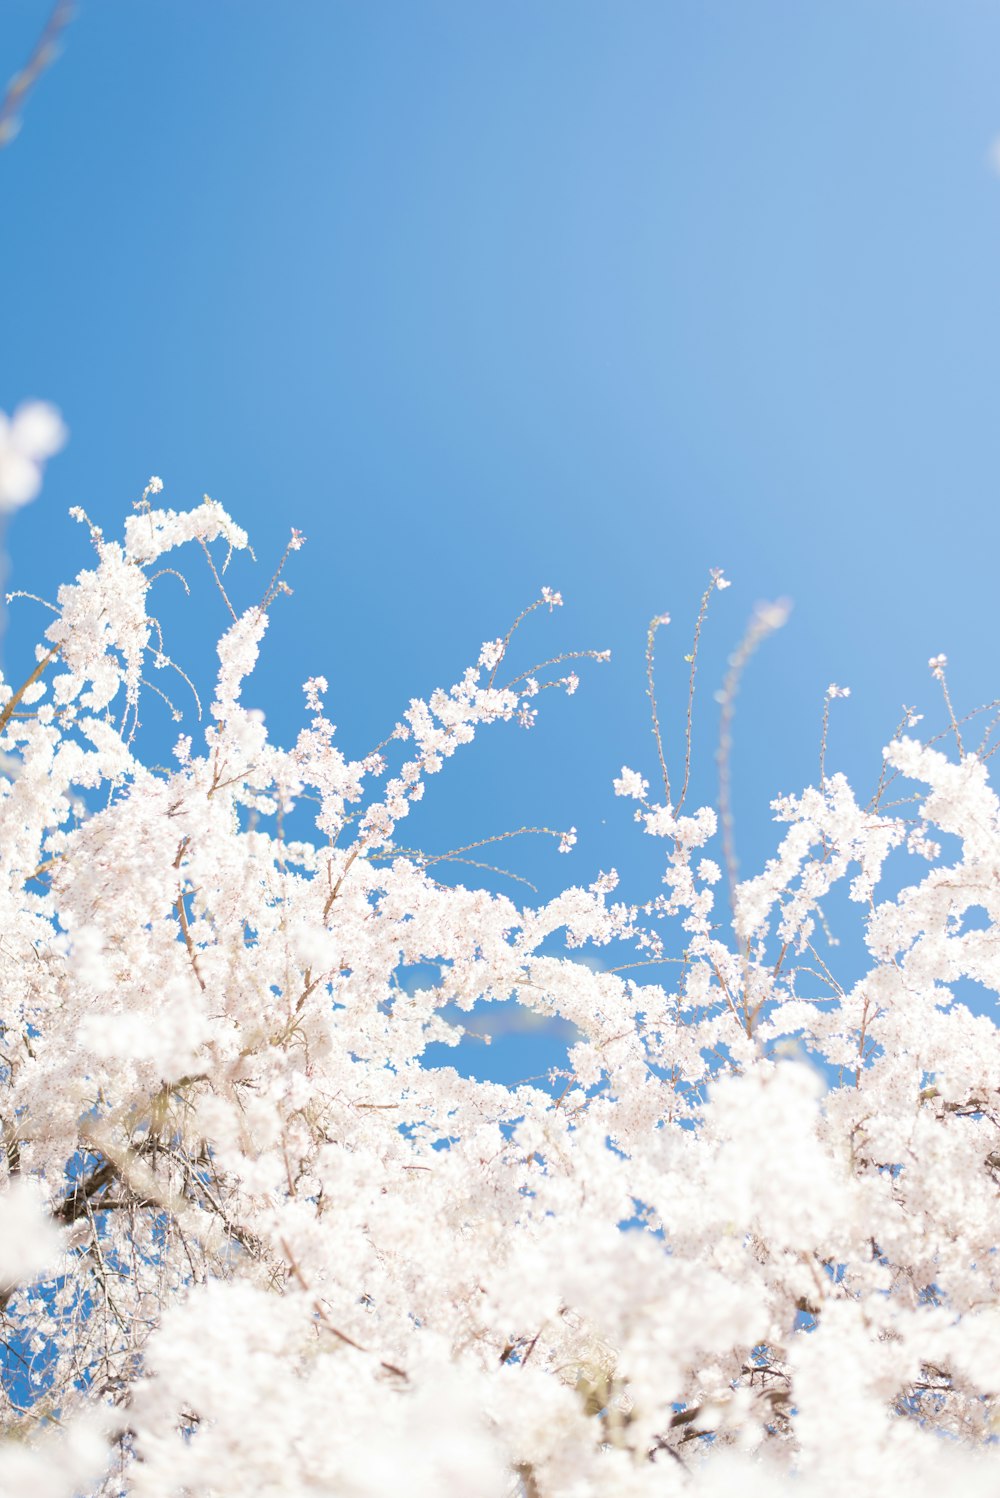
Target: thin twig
[693, 660]
[276, 586]
[510, 633]
[472, 863]
[601, 656]
[321, 1312]
[938, 670]
[41, 58]
[766, 619]
[654, 625]
[218, 579]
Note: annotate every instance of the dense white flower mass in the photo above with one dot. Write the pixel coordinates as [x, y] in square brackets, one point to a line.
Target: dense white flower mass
[252, 1241]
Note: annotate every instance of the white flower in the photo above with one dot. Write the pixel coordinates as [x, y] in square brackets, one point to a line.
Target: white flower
[27, 439]
[631, 783]
[29, 1240]
[220, 1076]
[491, 654]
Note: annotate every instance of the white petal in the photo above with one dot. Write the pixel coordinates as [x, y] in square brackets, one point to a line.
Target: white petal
[20, 479]
[38, 430]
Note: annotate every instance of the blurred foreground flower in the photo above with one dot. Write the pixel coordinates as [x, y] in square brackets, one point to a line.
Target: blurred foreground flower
[29, 1239]
[27, 439]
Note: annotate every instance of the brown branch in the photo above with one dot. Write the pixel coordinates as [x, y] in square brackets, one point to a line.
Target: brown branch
[81, 1198]
[8, 709]
[192, 951]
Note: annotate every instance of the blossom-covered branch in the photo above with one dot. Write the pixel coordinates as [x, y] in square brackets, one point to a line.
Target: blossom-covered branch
[255, 1238]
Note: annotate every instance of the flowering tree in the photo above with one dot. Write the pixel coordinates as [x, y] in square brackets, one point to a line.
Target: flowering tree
[252, 1242]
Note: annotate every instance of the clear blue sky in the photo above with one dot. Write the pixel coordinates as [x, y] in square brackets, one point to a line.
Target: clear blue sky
[487, 296]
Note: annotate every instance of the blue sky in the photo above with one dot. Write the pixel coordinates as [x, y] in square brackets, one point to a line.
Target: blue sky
[488, 296]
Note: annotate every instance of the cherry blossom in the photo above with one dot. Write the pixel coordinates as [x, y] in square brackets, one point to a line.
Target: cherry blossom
[28, 439]
[256, 1237]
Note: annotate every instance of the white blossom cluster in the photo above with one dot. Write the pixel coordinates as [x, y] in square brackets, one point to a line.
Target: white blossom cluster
[254, 1242]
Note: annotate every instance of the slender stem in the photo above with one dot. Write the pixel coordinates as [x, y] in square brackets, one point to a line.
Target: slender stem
[41, 58]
